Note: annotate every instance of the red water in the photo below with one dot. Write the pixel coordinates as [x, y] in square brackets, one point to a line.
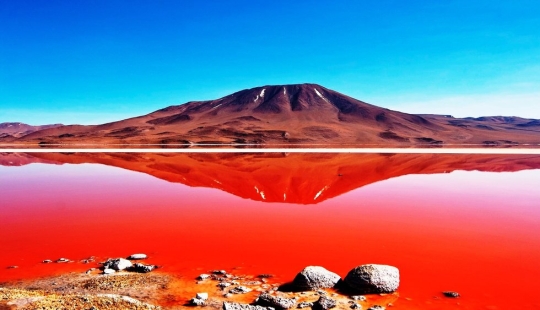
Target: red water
[472, 232]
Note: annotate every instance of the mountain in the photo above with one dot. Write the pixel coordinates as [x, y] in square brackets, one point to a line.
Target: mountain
[288, 178]
[293, 114]
[17, 130]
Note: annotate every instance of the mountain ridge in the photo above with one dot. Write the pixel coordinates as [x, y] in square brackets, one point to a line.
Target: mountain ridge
[292, 114]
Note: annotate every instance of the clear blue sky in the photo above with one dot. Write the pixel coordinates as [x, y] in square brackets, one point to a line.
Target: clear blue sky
[82, 61]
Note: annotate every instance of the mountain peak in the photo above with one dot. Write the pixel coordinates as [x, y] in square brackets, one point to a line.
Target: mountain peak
[293, 114]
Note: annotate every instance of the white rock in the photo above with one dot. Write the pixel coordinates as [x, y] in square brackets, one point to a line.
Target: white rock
[137, 256]
[203, 296]
[197, 302]
[117, 264]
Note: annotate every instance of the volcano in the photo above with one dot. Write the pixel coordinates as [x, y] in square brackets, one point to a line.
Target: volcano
[297, 114]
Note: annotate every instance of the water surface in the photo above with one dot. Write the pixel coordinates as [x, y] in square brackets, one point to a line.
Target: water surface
[448, 222]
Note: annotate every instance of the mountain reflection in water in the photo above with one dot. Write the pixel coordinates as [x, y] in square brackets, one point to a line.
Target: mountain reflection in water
[278, 177]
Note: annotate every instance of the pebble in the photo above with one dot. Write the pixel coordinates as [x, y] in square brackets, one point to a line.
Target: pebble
[88, 260]
[324, 303]
[240, 290]
[197, 302]
[90, 270]
[47, 261]
[451, 294]
[137, 256]
[305, 305]
[108, 271]
[224, 284]
[62, 260]
[203, 276]
[203, 296]
[359, 297]
[13, 267]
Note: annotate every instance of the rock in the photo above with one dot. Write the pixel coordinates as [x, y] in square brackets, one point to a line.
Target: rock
[197, 302]
[373, 279]
[305, 305]
[359, 297]
[451, 294]
[89, 271]
[227, 295]
[62, 260]
[376, 307]
[237, 306]
[12, 267]
[108, 271]
[222, 272]
[117, 264]
[252, 283]
[355, 306]
[265, 276]
[203, 276]
[240, 290]
[224, 284]
[315, 277]
[47, 261]
[137, 256]
[142, 268]
[324, 303]
[277, 302]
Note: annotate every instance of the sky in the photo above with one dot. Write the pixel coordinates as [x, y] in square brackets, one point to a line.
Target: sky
[91, 62]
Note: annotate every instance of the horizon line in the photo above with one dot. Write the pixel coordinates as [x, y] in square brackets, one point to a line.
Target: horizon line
[495, 151]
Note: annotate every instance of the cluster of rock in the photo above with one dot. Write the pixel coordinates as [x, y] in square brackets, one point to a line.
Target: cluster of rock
[113, 265]
[364, 279]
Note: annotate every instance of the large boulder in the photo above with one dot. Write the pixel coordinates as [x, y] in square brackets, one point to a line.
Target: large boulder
[315, 277]
[373, 279]
[276, 302]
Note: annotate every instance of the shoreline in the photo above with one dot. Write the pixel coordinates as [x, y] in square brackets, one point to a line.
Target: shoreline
[501, 151]
[162, 290]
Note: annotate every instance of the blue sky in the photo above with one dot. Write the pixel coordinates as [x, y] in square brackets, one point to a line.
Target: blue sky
[90, 62]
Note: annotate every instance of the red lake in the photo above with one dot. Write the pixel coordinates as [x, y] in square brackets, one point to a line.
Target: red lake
[466, 223]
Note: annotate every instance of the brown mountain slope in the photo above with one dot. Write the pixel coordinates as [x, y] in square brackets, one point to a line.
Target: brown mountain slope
[12, 130]
[291, 178]
[294, 114]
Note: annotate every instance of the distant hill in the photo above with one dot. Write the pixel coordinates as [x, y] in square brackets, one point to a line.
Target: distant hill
[294, 114]
[17, 130]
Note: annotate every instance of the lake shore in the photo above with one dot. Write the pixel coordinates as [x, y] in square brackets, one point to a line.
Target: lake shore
[161, 290]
